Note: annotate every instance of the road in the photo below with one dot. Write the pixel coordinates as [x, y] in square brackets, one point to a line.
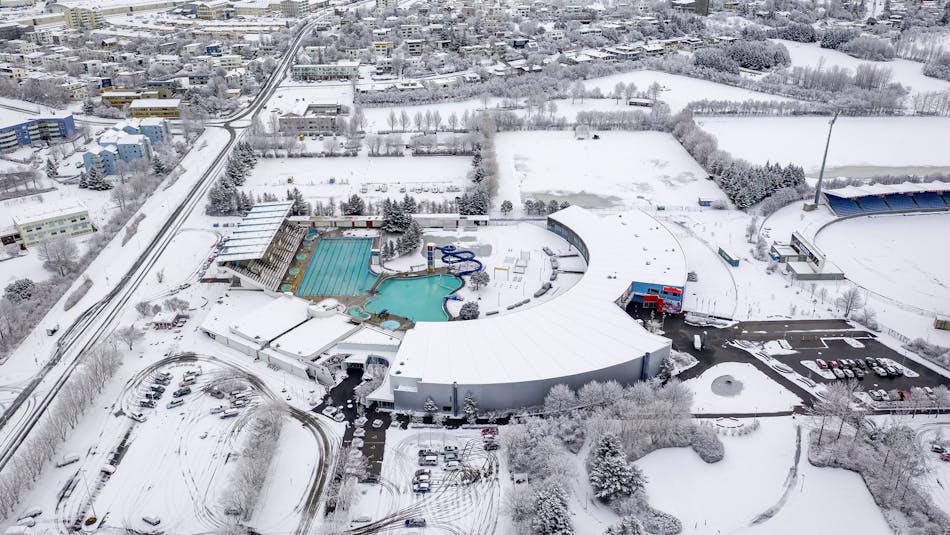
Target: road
[99, 320]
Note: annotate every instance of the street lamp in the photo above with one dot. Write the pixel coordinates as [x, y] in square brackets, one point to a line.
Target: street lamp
[821, 174]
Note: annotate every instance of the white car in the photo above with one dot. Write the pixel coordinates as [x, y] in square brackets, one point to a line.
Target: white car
[339, 417]
[359, 433]
[451, 466]
[329, 411]
[377, 423]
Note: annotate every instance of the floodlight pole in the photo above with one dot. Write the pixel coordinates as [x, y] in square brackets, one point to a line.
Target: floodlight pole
[824, 158]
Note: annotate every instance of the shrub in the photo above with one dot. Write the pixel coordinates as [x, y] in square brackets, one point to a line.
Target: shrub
[870, 48]
[715, 58]
[707, 445]
[835, 37]
[803, 33]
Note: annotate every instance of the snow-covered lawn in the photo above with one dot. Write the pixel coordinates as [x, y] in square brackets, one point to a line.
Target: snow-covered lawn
[873, 250]
[678, 91]
[907, 73]
[725, 497]
[622, 169]
[745, 390]
[873, 142]
[312, 176]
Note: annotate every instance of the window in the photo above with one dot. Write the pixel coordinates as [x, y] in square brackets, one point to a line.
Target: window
[653, 291]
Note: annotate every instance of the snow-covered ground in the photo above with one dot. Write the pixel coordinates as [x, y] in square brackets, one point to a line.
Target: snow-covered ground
[312, 176]
[875, 143]
[726, 497]
[621, 169]
[872, 250]
[738, 387]
[678, 91]
[907, 73]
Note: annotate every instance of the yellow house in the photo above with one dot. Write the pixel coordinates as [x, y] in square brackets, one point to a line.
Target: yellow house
[155, 107]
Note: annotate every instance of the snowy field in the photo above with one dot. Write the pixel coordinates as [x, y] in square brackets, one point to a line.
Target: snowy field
[907, 73]
[726, 497]
[873, 250]
[859, 145]
[738, 387]
[312, 176]
[678, 91]
[622, 169]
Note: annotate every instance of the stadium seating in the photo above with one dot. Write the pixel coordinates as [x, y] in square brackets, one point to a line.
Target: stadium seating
[842, 206]
[929, 200]
[899, 201]
[872, 203]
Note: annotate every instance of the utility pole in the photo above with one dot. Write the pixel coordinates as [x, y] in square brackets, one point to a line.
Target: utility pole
[821, 174]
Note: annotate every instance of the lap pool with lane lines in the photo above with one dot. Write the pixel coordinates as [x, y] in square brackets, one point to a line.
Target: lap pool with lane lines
[339, 266]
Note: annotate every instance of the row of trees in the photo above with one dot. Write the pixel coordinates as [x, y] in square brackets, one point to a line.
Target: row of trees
[224, 197]
[744, 183]
[755, 55]
[260, 446]
[19, 475]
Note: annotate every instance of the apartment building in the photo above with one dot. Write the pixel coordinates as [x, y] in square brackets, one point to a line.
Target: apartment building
[155, 107]
[36, 130]
[295, 8]
[45, 222]
[342, 70]
[82, 17]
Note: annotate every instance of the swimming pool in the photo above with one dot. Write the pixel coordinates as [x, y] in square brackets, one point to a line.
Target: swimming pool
[339, 266]
[416, 298]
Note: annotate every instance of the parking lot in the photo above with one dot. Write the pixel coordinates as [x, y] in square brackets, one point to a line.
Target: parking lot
[809, 339]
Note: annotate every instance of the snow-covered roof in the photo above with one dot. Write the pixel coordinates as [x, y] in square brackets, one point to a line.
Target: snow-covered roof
[25, 214]
[852, 192]
[155, 103]
[272, 320]
[306, 341]
[255, 232]
[582, 329]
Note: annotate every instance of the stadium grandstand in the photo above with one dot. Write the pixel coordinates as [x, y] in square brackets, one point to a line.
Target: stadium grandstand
[261, 248]
[882, 198]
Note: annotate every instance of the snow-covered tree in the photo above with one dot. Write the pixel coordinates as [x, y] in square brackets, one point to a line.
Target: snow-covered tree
[552, 516]
[610, 474]
[96, 180]
[353, 206]
[506, 207]
[469, 311]
[20, 290]
[559, 398]
[479, 279]
[52, 170]
[470, 405]
[58, 254]
[129, 335]
[430, 406]
[849, 300]
[300, 206]
[629, 525]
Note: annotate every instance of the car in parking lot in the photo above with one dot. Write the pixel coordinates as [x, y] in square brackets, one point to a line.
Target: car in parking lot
[491, 446]
[329, 411]
[377, 423]
[182, 392]
[875, 395]
[879, 371]
[372, 479]
[859, 373]
[175, 403]
[839, 374]
[945, 457]
[450, 449]
[937, 448]
[821, 364]
[848, 373]
[137, 416]
[161, 381]
[217, 410]
[422, 478]
[157, 388]
[452, 457]
[428, 460]
[451, 466]
[359, 432]
[421, 487]
[415, 523]
[339, 417]
[426, 452]
[892, 371]
[861, 364]
[147, 403]
[833, 364]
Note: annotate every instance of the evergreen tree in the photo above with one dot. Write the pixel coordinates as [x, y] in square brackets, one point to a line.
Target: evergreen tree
[469, 311]
[506, 207]
[300, 206]
[158, 166]
[353, 206]
[52, 170]
[235, 171]
[553, 206]
[221, 198]
[552, 517]
[610, 474]
[88, 106]
[409, 204]
[246, 202]
[96, 180]
[83, 180]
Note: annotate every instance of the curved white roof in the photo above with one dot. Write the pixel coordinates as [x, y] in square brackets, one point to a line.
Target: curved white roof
[581, 330]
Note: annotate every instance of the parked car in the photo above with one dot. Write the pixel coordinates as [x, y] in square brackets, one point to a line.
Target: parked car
[161, 381]
[452, 457]
[187, 381]
[848, 373]
[175, 403]
[930, 392]
[875, 395]
[359, 432]
[238, 403]
[217, 410]
[451, 466]
[879, 371]
[370, 479]
[329, 411]
[71, 458]
[838, 373]
[339, 417]
[377, 423]
[945, 457]
[157, 388]
[429, 460]
[182, 392]
[426, 452]
[415, 523]
[491, 446]
[859, 373]
[821, 364]
[861, 364]
[421, 478]
[230, 413]
[421, 487]
[137, 416]
[936, 448]
[450, 449]
[422, 471]
[870, 361]
[147, 403]
[892, 371]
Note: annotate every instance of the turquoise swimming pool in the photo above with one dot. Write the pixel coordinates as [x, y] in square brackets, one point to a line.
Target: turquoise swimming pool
[416, 298]
[339, 266]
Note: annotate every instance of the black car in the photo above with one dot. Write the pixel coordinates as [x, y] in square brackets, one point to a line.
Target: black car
[859, 373]
[863, 365]
[147, 403]
[370, 478]
[182, 392]
[871, 361]
[157, 388]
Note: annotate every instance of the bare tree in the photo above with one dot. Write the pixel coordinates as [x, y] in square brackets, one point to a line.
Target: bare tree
[129, 335]
[849, 300]
[58, 254]
[160, 276]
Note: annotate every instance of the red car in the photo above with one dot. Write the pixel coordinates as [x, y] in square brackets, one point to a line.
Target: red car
[945, 457]
[490, 431]
[833, 364]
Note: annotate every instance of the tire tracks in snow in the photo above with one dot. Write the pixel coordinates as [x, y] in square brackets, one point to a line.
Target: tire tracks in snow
[790, 481]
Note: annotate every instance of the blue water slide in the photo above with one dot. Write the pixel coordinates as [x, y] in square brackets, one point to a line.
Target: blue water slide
[451, 255]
